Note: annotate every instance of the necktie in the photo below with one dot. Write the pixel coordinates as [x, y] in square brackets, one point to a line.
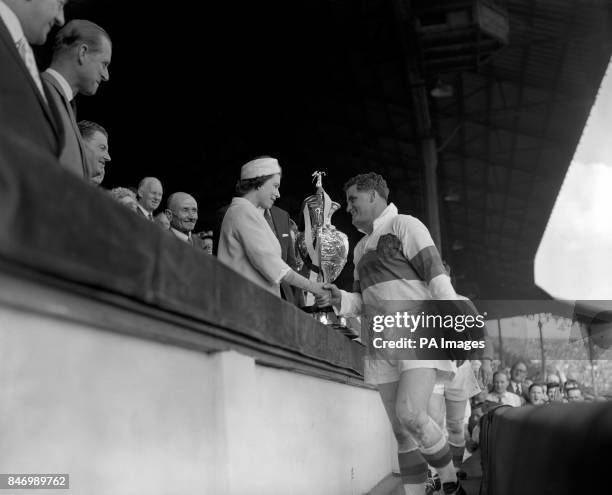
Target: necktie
[26, 54]
[269, 220]
[151, 216]
[517, 389]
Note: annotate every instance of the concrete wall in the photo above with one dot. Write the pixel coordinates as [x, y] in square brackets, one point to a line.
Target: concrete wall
[124, 415]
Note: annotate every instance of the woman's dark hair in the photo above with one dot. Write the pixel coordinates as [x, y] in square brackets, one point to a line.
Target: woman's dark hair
[246, 185]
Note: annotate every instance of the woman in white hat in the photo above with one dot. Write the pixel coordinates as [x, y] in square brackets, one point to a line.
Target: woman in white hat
[247, 243]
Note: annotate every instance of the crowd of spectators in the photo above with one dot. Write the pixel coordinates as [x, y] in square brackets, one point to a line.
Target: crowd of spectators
[514, 387]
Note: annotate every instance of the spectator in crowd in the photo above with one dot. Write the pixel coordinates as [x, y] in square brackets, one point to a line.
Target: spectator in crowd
[150, 193]
[518, 373]
[81, 56]
[247, 242]
[500, 393]
[207, 241]
[161, 219]
[553, 390]
[536, 394]
[573, 391]
[125, 196]
[182, 211]
[25, 108]
[95, 139]
[574, 395]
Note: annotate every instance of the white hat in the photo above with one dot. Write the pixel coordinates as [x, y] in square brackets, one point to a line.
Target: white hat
[260, 167]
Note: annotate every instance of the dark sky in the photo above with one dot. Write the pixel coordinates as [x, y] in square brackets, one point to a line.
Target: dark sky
[198, 88]
[196, 92]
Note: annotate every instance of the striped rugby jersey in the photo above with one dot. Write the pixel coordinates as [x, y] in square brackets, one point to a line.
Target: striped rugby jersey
[397, 261]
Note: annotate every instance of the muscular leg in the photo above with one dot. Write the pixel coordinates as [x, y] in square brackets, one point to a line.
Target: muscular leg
[437, 409]
[411, 407]
[455, 414]
[413, 467]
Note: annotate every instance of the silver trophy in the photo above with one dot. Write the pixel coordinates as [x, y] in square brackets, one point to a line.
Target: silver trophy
[322, 247]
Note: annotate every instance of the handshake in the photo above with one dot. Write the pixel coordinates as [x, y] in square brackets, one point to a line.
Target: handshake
[326, 294]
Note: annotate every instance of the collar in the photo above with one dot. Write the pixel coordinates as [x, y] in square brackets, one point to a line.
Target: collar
[62, 82]
[387, 214]
[243, 201]
[181, 235]
[145, 212]
[12, 22]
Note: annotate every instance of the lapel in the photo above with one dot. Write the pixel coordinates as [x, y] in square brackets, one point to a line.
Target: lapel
[54, 85]
[5, 38]
[278, 219]
[280, 228]
[142, 214]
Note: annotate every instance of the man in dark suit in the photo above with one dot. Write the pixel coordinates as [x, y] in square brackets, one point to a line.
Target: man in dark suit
[81, 56]
[279, 222]
[25, 108]
[518, 373]
[150, 193]
[95, 139]
[182, 210]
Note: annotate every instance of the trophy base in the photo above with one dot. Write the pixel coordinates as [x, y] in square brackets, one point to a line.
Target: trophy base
[328, 317]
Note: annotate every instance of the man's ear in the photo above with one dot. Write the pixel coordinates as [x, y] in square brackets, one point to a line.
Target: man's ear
[81, 52]
[372, 195]
[168, 214]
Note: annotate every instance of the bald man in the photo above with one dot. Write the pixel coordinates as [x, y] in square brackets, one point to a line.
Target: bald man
[150, 194]
[182, 210]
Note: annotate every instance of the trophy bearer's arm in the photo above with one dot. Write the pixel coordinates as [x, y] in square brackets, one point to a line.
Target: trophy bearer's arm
[345, 303]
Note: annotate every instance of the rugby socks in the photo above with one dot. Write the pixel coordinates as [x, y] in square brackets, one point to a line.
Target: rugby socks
[457, 452]
[413, 470]
[456, 441]
[438, 455]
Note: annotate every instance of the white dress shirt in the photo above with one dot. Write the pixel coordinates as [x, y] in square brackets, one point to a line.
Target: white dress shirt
[62, 82]
[181, 235]
[11, 21]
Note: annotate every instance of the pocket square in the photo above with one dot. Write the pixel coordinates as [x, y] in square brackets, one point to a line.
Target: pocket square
[285, 235]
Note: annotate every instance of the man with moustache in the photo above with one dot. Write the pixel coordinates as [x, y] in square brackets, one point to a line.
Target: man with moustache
[25, 109]
[182, 212]
[95, 139]
[81, 56]
[396, 260]
[150, 193]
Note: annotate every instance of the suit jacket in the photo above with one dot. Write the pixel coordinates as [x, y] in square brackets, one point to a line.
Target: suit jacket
[140, 212]
[196, 241]
[524, 390]
[73, 156]
[280, 219]
[22, 108]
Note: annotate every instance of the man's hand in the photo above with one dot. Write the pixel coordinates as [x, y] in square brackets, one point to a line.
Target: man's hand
[331, 296]
[486, 372]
